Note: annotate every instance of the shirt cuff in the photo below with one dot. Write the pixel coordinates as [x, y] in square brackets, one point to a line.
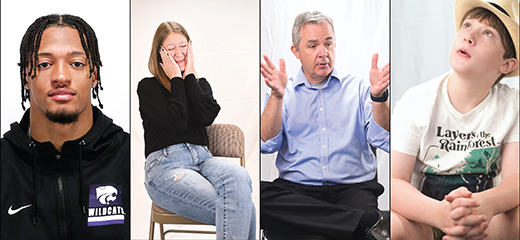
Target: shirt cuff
[378, 136]
[272, 145]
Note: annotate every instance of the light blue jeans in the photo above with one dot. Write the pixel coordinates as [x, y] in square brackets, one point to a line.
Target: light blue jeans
[185, 179]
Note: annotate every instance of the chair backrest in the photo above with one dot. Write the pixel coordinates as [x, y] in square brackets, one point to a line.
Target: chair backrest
[226, 140]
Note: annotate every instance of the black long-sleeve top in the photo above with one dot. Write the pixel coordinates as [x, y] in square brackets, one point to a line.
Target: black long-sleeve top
[179, 116]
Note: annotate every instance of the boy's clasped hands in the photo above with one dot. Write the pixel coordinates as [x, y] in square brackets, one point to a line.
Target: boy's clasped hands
[463, 217]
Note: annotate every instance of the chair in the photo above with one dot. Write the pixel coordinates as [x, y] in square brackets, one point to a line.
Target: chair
[225, 140]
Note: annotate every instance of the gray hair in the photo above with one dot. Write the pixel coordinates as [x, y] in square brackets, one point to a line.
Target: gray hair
[310, 17]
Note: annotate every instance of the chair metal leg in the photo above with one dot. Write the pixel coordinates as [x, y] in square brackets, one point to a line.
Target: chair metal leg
[152, 228]
[162, 231]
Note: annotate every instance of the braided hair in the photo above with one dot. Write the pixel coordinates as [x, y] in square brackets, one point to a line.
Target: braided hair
[31, 43]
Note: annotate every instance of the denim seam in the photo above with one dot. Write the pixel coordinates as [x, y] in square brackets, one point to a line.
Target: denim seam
[224, 200]
[154, 164]
[168, 194]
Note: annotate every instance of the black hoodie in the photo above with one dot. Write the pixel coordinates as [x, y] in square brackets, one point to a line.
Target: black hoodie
[82, 192]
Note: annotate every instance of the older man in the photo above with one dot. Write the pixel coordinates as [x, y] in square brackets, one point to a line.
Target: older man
[322, 124]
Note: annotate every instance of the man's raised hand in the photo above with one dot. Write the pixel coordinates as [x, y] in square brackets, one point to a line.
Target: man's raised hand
[274, 78]
[379, 77]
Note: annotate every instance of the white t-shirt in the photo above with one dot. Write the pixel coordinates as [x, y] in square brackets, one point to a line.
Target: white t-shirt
[449, 144]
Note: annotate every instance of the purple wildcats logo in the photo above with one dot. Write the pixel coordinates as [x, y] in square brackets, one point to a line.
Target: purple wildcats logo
[105, 205]
[106, 194]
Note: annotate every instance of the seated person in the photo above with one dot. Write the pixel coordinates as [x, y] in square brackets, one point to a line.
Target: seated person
[322, 123]
[454, 134]
[181, 174]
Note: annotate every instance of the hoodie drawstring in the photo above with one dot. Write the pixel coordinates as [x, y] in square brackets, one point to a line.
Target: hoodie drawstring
[33, 215]
[81, 202]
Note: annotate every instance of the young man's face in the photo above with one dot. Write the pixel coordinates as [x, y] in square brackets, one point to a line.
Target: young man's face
[316, 51]
[477, 50]
[61, 88]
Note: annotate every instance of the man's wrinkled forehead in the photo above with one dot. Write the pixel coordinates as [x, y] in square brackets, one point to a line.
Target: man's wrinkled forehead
[318, 23]
[329, 38]
[329, 28]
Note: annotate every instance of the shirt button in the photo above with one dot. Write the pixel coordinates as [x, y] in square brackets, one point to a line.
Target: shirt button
[321, 90]
[324, 167]
[324, 146]
[321, 109]
[323, 129]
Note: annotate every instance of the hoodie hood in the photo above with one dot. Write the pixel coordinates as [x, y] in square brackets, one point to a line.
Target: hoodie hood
[97, 140]
[76, 154]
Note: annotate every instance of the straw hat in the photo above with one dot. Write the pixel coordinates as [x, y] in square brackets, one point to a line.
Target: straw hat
[505, 10]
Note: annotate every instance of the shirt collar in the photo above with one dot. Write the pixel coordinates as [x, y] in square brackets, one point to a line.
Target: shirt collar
[300, 78]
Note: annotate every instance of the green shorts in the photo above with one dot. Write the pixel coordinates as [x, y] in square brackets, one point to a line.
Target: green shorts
[438, 234]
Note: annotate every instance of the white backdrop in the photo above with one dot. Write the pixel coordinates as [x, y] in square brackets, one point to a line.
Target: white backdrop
[422, 34]
[361, 29]
[114, 45]
[225, 46]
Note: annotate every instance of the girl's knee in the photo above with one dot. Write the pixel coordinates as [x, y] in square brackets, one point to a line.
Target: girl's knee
[242, 174]
[235, 172]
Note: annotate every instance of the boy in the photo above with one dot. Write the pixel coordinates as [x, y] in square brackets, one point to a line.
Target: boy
[447, 142]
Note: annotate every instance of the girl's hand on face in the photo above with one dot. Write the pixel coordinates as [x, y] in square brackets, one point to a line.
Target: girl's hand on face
[190, 61]
[168, 64]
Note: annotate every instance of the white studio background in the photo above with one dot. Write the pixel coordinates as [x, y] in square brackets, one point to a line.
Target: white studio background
[111, 24]
[361, 29]
[422, 35]
[225, 46]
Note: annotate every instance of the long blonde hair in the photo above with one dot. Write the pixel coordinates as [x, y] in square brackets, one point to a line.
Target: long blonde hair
[161, 33]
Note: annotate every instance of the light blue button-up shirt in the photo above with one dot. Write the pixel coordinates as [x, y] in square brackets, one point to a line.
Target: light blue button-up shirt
[326, 132]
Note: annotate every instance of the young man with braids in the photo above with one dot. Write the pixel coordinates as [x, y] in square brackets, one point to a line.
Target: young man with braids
[65, 166]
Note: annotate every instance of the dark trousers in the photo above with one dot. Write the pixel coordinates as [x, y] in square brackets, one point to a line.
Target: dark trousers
[330, 211]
